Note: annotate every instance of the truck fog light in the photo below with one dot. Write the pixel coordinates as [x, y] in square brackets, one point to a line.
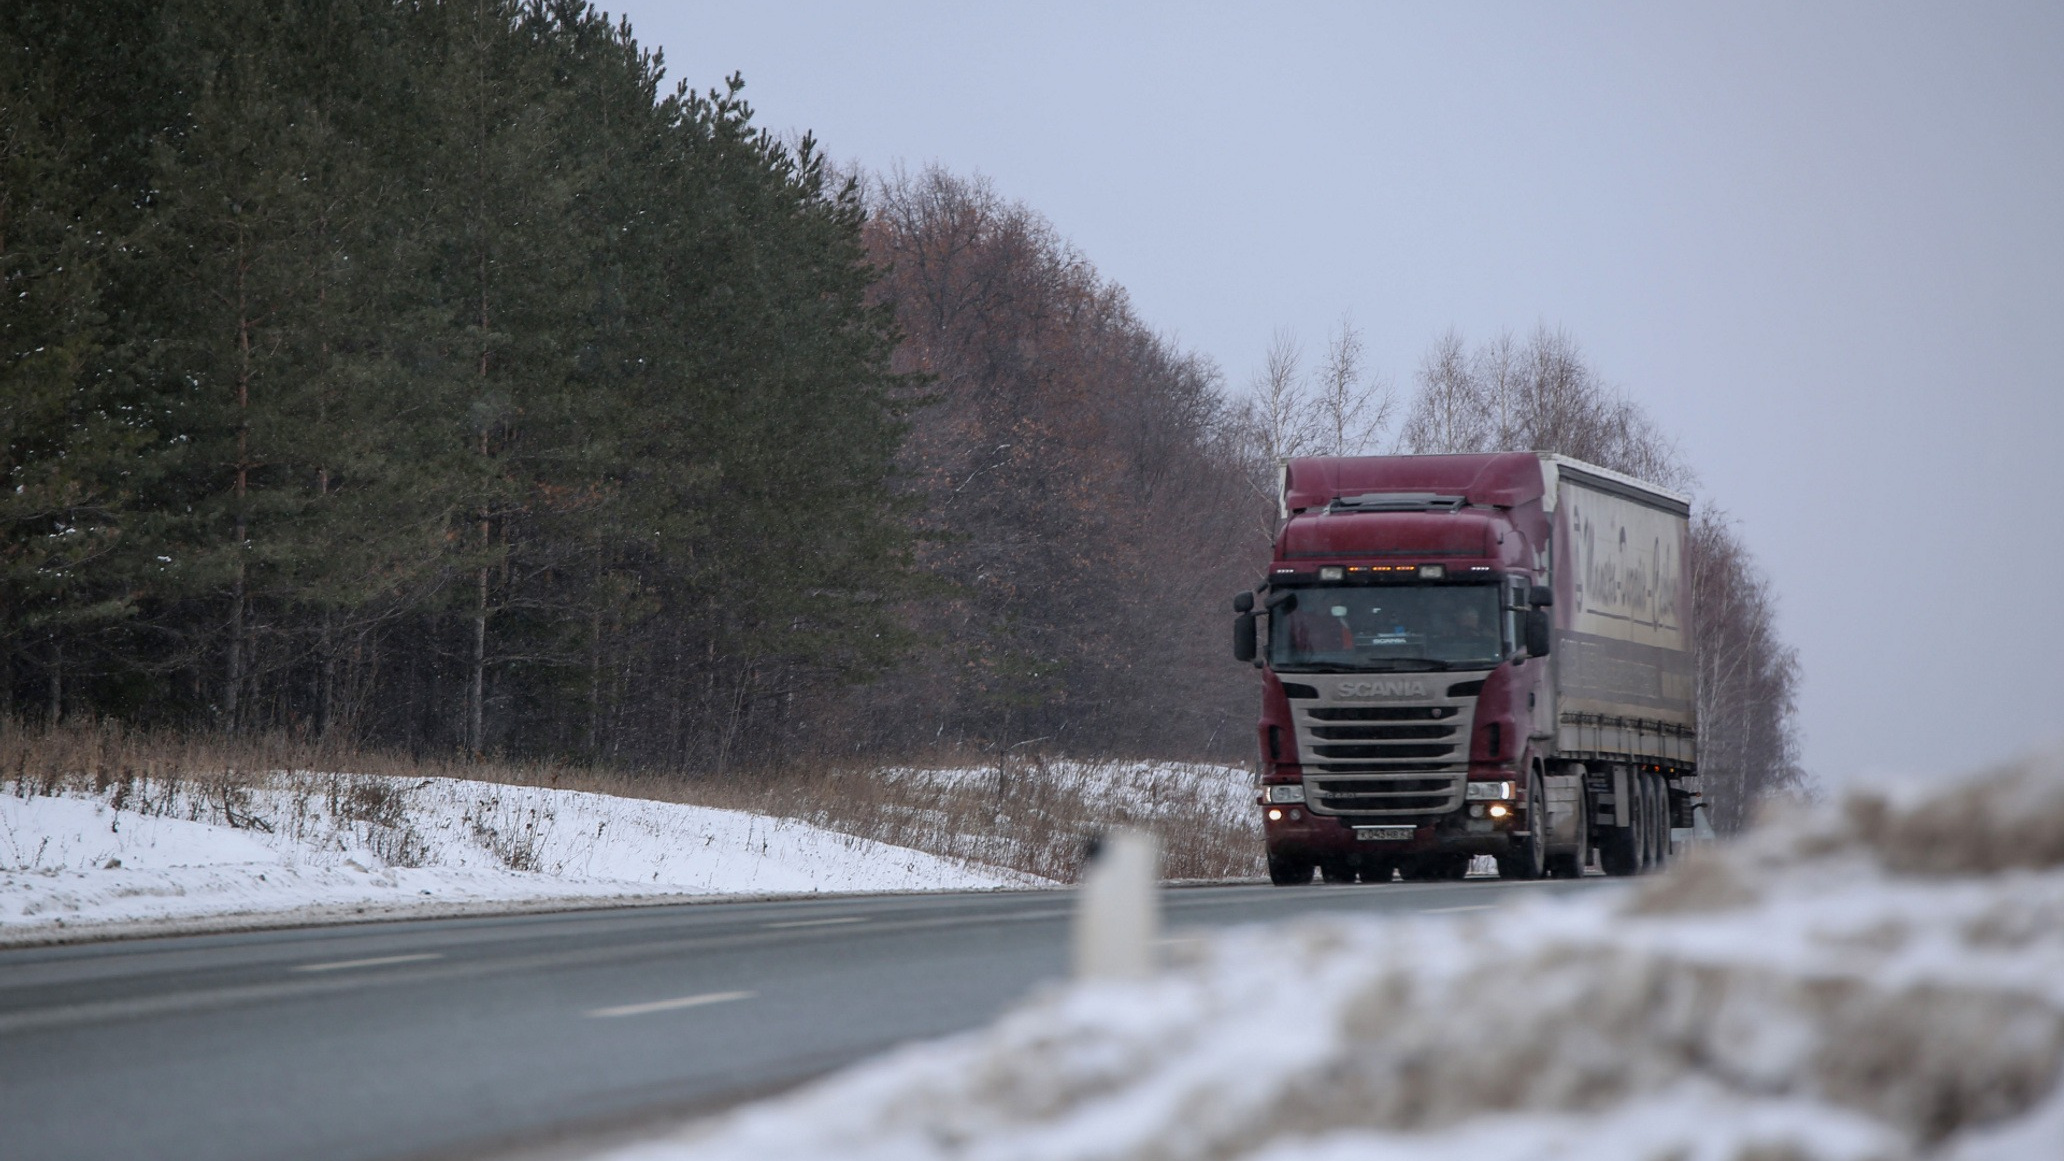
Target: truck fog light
[1476, 810]
[1275, 815]
[1500, 810]
[1291, 792]
[1487, 791]
[1296, 814]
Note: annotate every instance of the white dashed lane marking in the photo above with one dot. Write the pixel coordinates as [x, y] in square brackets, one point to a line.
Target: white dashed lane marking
[670, 1005]
[814, 922]
[378, 961]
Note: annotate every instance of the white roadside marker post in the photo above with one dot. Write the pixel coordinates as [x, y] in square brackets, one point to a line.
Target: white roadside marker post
[1118, 907]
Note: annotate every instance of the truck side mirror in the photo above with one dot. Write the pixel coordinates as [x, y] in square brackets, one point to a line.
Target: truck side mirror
[1540, 596]
[1243, 602]
[1243, 636]
[1539, 632]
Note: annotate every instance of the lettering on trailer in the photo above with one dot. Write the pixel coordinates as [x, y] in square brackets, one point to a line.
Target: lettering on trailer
[1381, 687]
[1629, 566]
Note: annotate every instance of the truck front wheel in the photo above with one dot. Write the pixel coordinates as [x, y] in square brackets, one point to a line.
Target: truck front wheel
[1288, 871]
[1528, 858]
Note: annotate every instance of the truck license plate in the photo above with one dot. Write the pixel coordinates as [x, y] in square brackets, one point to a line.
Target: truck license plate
[1384, 834]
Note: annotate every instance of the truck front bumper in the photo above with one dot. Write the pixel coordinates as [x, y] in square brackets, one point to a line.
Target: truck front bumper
[1300, 834]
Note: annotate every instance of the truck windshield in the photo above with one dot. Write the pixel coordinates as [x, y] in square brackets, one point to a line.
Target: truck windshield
[1374, 628]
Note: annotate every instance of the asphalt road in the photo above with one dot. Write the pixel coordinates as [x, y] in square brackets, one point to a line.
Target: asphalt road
[461, 1037]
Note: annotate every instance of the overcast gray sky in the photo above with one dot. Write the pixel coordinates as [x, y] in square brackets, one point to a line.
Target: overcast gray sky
[1822, 244]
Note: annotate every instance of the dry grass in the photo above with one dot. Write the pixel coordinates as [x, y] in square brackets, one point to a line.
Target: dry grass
[1029, 813]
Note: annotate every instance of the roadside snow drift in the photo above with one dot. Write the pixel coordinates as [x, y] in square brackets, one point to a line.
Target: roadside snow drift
[1874, 980]
[322, 845]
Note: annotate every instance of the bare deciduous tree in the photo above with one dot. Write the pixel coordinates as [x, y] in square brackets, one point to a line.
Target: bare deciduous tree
[1342, 410]
[1540, 395]
[1747, 678]
[1352, 406]
[1079, 489]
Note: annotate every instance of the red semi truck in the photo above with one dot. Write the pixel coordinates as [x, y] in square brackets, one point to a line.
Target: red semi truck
[1469, 655]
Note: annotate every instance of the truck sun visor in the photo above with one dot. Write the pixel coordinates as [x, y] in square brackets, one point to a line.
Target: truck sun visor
[1398, 502]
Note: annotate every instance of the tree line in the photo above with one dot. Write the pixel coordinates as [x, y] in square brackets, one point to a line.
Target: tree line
[430, 375]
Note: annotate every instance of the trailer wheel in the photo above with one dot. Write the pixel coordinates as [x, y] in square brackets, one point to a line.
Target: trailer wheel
[1662, 822]
[1620, 851]
[1647, 804]
[1570, 864]
[1286, 871]
[1528, 858]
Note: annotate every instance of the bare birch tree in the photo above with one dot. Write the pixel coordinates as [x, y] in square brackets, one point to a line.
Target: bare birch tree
[1541, 395]
[1350, 406]
[1747, 678]
[1450, 413]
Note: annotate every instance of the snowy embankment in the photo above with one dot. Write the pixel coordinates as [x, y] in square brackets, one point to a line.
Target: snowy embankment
[313, 847]
[1878, 979]
[1033, 812]
[1141, 791]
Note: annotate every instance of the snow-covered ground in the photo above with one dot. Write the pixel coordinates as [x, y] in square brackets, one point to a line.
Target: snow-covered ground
[1875, 979]
[316, 846]
[1142, 791]
[1033, 812]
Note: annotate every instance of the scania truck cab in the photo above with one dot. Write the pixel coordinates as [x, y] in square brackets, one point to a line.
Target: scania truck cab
[1472, 655]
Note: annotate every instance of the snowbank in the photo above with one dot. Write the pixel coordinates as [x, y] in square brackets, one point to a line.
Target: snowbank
[1878, 979]
[318, 845]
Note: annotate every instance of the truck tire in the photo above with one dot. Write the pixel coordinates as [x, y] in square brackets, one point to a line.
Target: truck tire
[1662, 822]
[1285, 871]
[1620, 848]
[1570, 864]
[1647, 804]
[1528, 858]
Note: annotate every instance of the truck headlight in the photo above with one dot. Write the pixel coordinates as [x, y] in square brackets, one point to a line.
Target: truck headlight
[1289, 792]
[1487, 791]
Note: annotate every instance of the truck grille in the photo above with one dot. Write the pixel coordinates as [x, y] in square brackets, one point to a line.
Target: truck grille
[1383, 795]
[1356, 733]
[1382, 751]
[1380, 762]
[1382, 713]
